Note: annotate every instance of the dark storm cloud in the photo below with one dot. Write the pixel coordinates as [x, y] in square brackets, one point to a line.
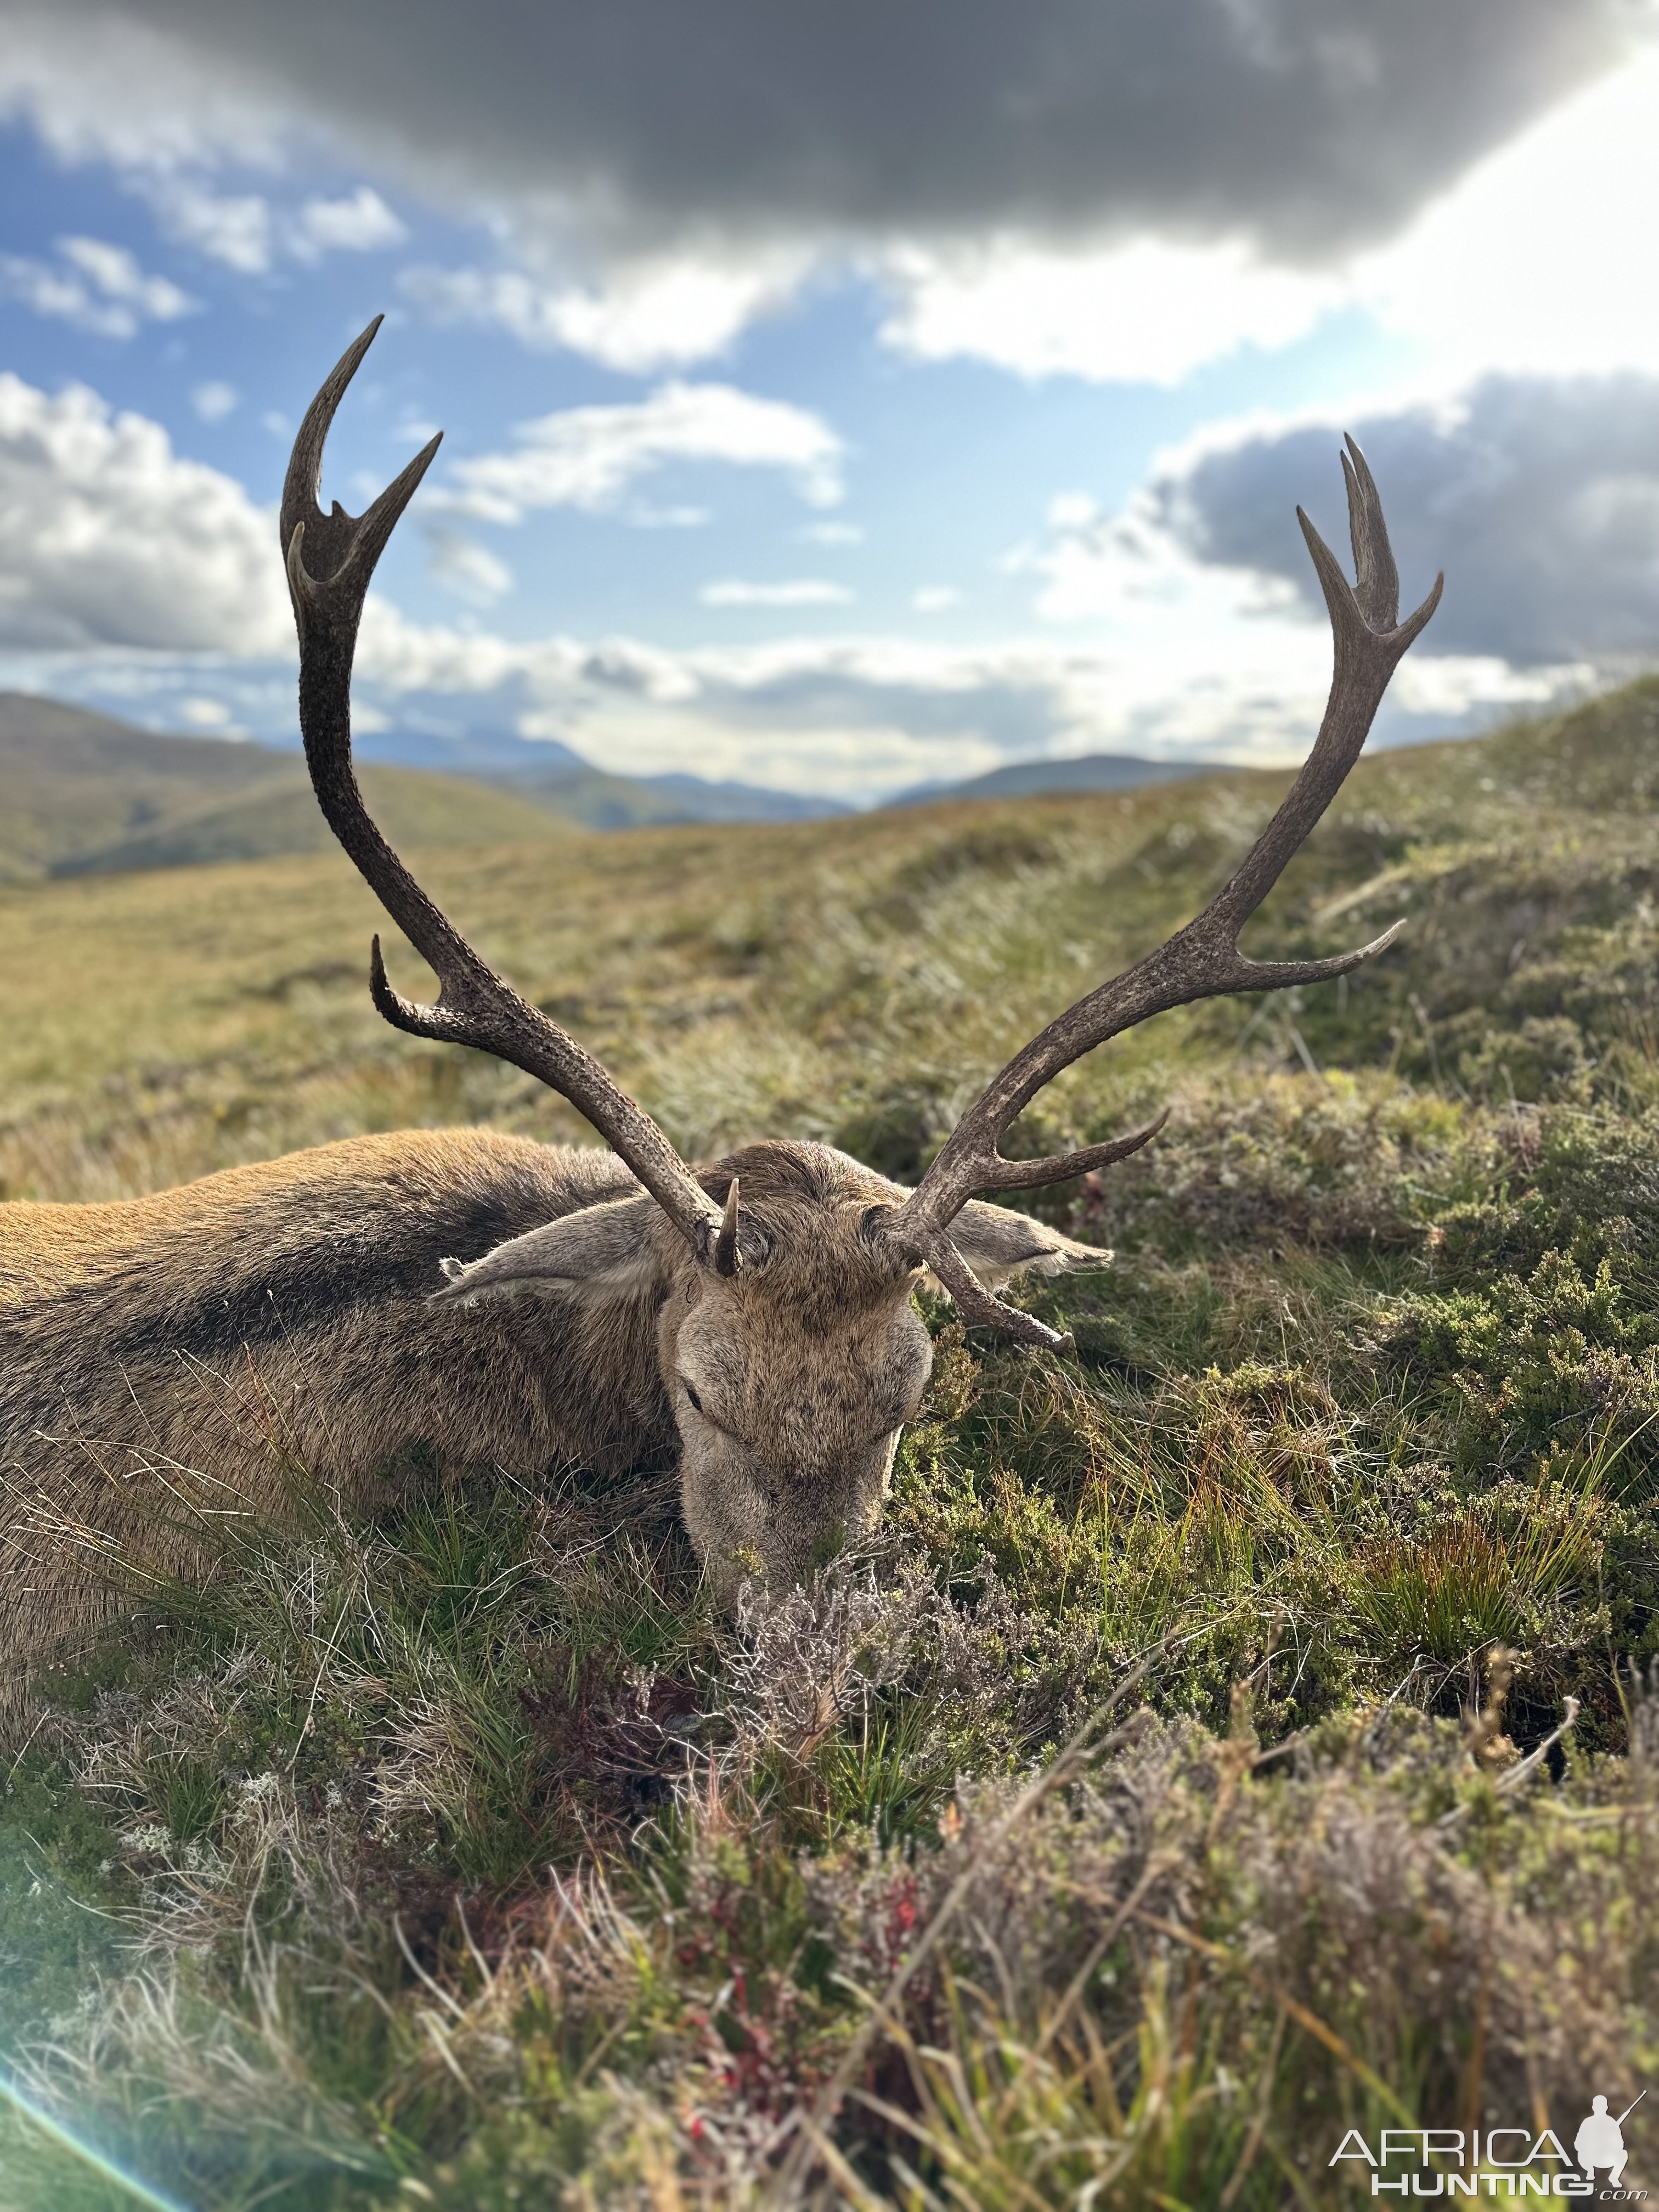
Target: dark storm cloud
[1539, 497]
[1309, 124]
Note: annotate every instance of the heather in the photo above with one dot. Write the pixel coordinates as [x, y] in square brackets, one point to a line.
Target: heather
[1246, 1727]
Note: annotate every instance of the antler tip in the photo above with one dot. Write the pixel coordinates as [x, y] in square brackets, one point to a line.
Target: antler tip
[1324, 556]
[1415, 624]
[727, 1252]
[1353, 457]
[351, 359]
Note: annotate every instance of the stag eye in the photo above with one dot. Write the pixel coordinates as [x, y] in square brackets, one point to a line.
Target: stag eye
[691, 1394]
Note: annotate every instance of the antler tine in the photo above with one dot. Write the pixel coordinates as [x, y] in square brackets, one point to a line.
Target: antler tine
[474, 1007]
[983, 1308]
[1061, 1167]
[1202, 960]
[728, 1254]
[1376, 578]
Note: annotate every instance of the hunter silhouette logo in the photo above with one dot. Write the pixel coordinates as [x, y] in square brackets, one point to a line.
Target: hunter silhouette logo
[1600, 2141]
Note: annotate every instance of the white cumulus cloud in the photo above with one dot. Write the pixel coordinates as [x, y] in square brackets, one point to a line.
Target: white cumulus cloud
[214, 400]
[864, 716]
[108, 539]
[96, 286]
[1538, 258]
[205, 713]
[235, 228]
[362, 222]
[1105, 188]
[591, 457]
[1144, 312]
[467, 566]
[1224, 654]
[249, 231]
[795, 591]
[1538, 495]
[858, 716]
[642, 316]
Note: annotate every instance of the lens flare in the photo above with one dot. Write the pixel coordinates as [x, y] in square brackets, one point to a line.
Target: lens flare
[140, 2191]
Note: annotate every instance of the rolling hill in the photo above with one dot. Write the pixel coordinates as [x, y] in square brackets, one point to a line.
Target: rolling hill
[1040, 779]
[1351, 1483]
[555, 777]
[842, 978]
[83, 794]
[587, 795]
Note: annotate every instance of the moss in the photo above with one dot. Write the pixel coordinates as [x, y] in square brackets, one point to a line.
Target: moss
[475, 1859]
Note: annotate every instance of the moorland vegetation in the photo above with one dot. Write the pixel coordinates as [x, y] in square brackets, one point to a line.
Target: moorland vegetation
[1247, 1726]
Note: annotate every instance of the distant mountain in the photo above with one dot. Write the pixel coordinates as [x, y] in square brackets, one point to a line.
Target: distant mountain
[475, 752]
[1039, 779]
[553, 776]
[599, 801]
[83, 794]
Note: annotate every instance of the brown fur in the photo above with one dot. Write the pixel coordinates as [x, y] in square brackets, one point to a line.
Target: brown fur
[202, 1342]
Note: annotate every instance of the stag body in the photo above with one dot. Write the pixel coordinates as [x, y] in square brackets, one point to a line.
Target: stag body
[179, 1355]
[757, 1315]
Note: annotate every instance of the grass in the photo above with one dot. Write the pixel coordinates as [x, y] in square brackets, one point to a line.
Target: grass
[85, 795]
[1180, 1781]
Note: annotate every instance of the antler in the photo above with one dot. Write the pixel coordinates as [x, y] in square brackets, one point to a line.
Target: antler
[1201, 961]
[474, 1007]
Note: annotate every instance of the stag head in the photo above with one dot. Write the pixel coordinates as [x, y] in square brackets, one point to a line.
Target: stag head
[788, 1343]
[792, 1375]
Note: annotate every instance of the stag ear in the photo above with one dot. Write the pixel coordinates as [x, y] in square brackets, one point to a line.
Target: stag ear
[997, 1243]
[605, 1251]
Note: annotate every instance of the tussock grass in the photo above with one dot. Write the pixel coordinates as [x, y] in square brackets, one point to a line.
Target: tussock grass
[1182, 1779]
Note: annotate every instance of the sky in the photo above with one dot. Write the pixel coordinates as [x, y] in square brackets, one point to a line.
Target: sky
[835, 397]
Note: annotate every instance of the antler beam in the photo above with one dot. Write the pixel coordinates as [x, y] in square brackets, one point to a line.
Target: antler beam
[331, 558]
[1201, 961]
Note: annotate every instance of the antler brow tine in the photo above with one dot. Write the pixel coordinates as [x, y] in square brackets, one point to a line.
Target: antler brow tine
[1202, 960]
[331, 558]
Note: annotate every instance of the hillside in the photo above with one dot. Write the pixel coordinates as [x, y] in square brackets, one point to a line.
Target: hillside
[1043, 778]
[848, 976]
[81, 795]
[85, 794]
[1246, 1730]
[587, 795]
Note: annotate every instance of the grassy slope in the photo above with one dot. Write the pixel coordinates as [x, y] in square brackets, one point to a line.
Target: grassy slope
[1363, 1428]
[85, 795]
[848, 978]
[74, 780]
